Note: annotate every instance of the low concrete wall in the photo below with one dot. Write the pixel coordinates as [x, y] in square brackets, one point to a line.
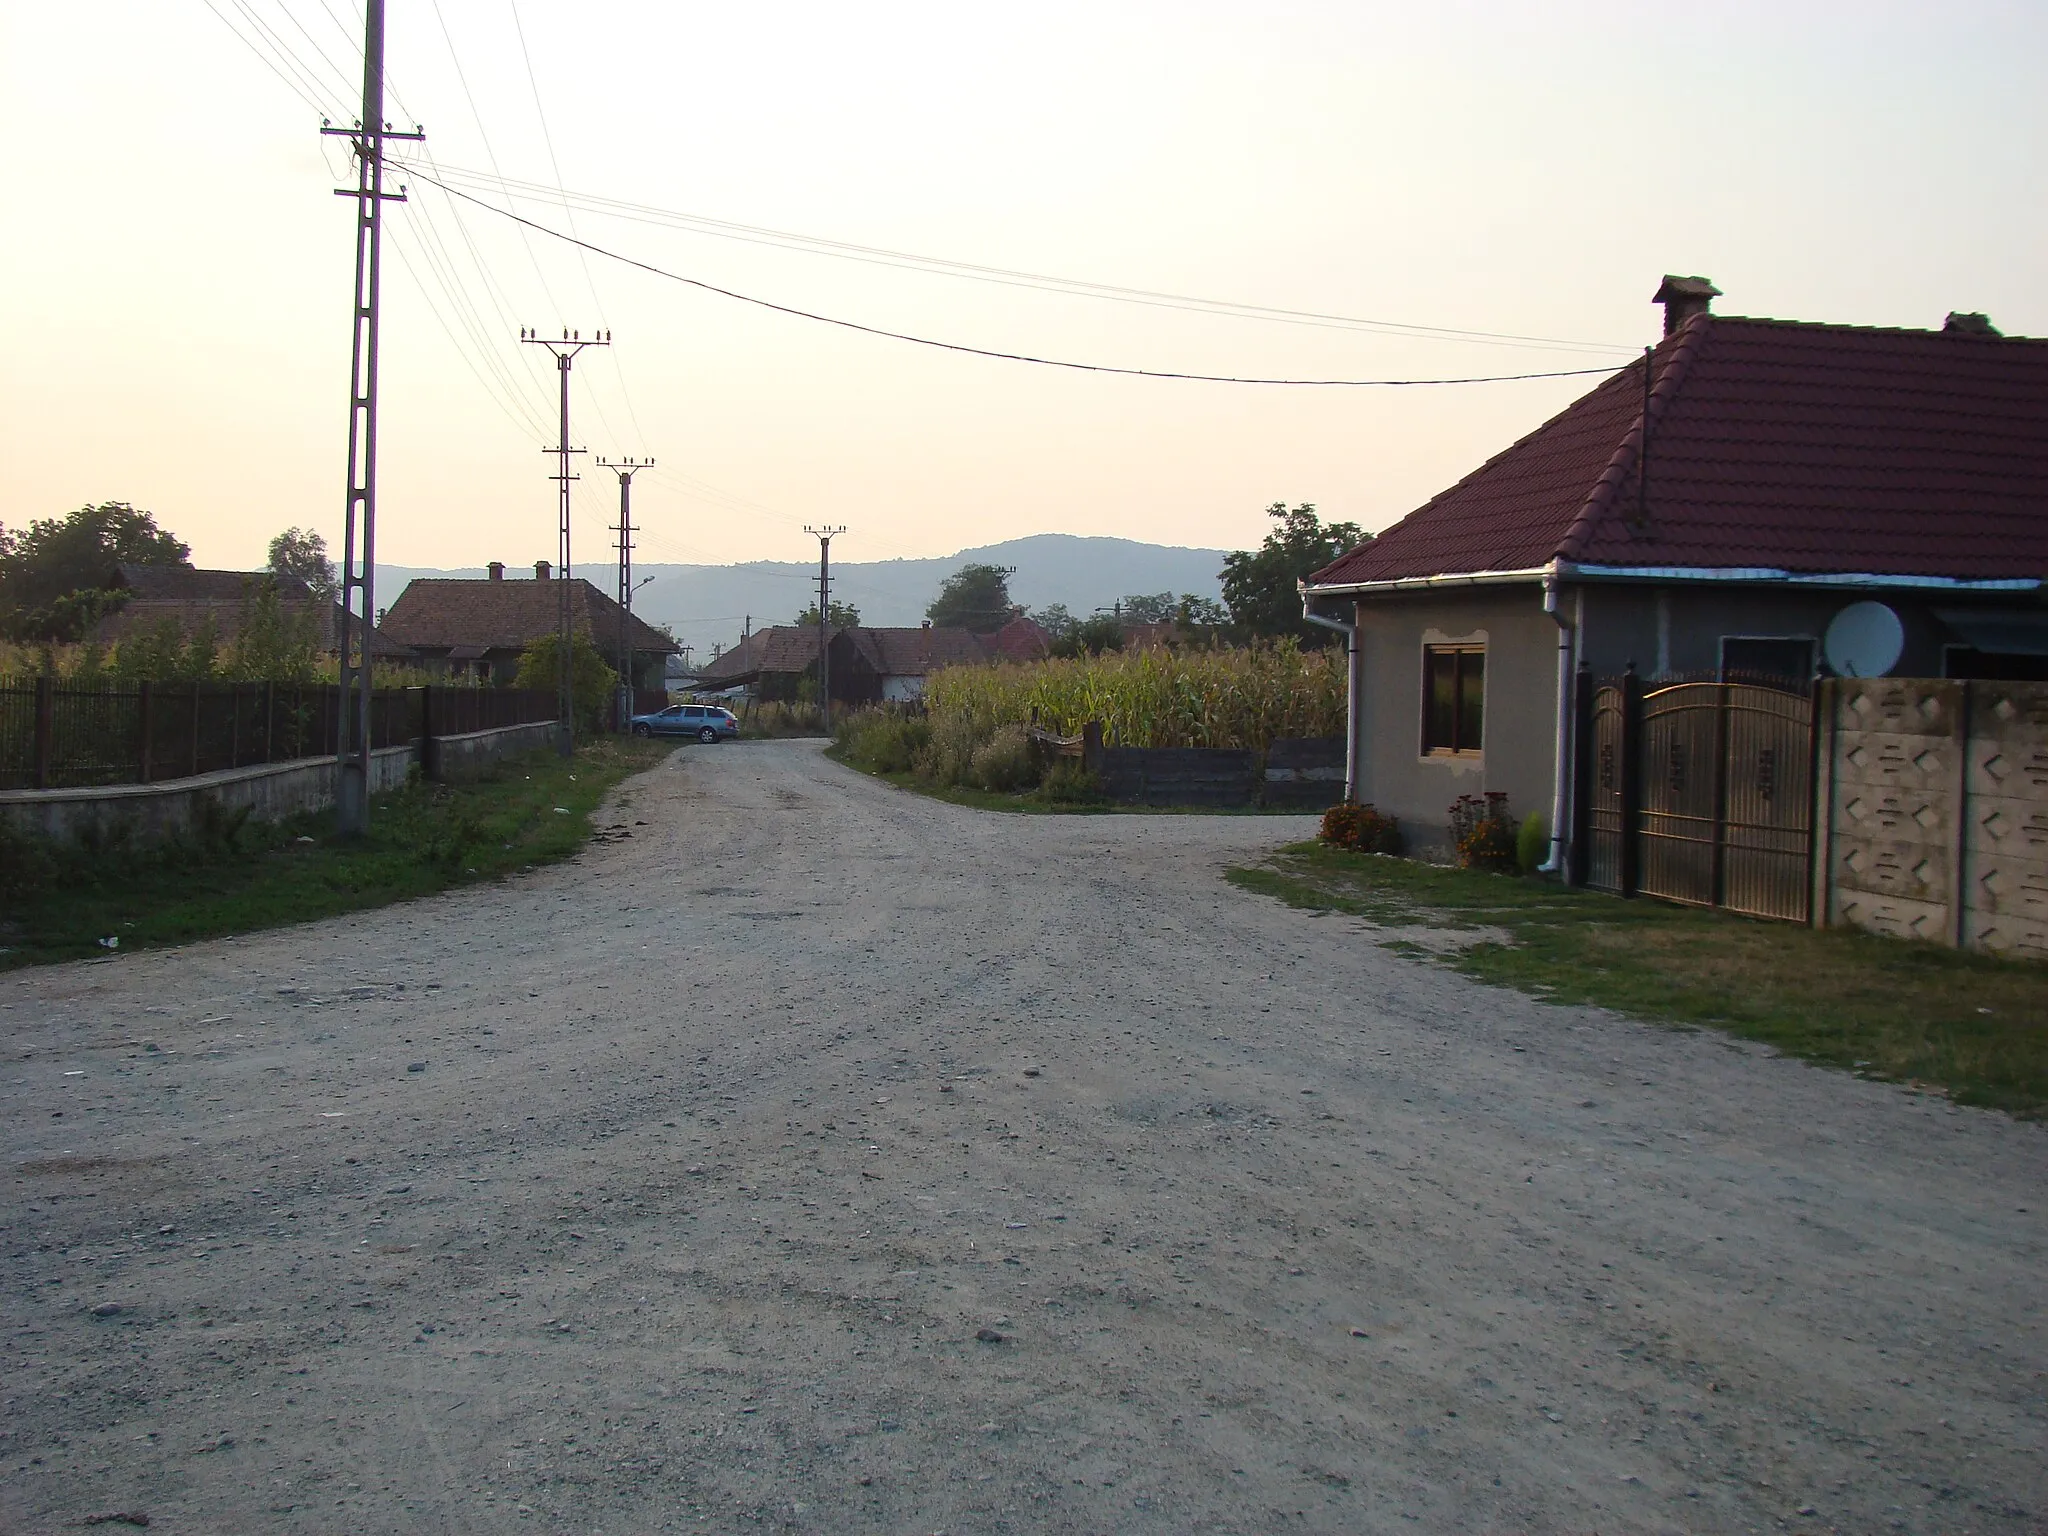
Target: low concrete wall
[458, 759]
[142, 814]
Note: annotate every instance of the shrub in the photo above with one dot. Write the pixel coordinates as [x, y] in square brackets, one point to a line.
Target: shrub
[1482, 833]
[1361, 828]
[1007, 762]
[950, 744]
[1532, 844]
[1066, 782]
[883, 740]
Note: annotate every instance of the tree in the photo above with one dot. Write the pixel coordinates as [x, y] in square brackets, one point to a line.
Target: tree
[1055, 621]
[54, 572]
[844, 616]
[590, 679]
[1259, 585]
[975, 597]
[1091, 636]
[302, 553]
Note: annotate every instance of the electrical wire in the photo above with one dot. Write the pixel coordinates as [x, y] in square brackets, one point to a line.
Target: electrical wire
[645, 213]
[297, 87]
[1020, 357]
[590, 282]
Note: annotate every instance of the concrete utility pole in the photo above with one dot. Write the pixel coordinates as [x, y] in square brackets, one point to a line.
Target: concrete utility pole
[824, 537]
[625, 470]
[358, 575]
[565, 352]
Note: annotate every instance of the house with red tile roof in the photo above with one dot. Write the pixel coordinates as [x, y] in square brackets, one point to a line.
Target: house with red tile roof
[869, 665]
[479, 627]
[187, 600]
[1761, 497]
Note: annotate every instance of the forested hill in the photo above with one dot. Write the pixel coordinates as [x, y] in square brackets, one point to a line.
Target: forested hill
[707, 604]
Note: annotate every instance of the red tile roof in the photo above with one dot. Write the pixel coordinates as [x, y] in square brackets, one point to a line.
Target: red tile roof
[437, 612]
[185, 583]
[146, 615]
[899, 652]
[1774, 445]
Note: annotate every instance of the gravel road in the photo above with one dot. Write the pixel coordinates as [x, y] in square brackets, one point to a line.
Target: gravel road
[820, 1157]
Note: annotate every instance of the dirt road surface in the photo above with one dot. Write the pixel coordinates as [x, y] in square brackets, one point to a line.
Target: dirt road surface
[819, 1157]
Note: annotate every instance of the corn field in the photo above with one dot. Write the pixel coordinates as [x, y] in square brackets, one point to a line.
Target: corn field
[1155, 697]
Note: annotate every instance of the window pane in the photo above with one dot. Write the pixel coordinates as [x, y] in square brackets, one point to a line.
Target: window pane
[1440, 700]
[1471, 698]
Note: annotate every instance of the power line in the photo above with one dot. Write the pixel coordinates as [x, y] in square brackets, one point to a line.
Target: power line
[297, 86]
[1013, 357]
[646, 213]
[555, 164]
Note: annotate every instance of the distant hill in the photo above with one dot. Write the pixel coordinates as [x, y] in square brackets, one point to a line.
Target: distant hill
[708, 604]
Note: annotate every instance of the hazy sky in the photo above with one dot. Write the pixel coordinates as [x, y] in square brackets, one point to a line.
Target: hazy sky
[177, 271]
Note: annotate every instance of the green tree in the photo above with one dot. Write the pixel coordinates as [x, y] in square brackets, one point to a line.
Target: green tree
[53, 573]
[844, 616]
[1259, 585]
[1055, 620]
[975, 597]
[591, 680]
[1091, 636]
[274, 643]
[302, 553]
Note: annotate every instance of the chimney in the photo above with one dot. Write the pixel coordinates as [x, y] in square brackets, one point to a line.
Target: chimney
[540, 570]
[1682, 298]
[497, 570]
[1960, 324]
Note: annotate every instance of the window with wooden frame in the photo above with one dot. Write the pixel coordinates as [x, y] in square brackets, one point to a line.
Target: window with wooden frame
[1453, 699]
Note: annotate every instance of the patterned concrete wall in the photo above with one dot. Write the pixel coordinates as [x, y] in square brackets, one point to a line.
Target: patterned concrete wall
[1934, 810]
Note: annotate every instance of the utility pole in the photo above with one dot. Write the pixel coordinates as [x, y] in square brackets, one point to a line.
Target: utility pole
[625, 470]
[358, 575]
[565, 352]
[824, 537]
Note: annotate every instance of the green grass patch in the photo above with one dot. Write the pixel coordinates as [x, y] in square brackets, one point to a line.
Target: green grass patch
[1972, 1026]
[239, 878]
[1033, 802]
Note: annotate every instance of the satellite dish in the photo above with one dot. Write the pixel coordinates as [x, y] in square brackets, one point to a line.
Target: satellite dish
[1864, 640]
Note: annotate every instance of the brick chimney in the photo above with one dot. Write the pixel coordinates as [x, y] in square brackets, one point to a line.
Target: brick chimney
[1684, 297]
[540, 570]
[497, 569]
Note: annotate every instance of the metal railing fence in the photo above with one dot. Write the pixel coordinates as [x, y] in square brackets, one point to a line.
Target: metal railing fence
[59, 735]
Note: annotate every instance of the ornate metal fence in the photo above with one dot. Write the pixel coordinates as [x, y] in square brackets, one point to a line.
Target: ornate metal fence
[1698, 792]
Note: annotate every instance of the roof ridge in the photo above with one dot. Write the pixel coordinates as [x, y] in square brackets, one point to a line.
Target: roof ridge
[1628, 452]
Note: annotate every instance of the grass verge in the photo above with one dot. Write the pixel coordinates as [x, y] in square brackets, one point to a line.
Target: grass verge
[1031, 802]
[423, 838]
[1972, 1026]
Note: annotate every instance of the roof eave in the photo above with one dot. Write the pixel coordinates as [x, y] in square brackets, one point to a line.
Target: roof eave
[1746, 575]
[1445, 580]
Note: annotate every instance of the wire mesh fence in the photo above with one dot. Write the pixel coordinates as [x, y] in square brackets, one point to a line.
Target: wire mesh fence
[57, 735]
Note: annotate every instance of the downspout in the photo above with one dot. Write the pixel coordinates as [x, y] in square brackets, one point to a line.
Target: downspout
[1354, 657]
[1560, 798]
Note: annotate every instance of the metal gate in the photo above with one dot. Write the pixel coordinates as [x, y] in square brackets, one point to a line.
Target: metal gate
[1699, 792]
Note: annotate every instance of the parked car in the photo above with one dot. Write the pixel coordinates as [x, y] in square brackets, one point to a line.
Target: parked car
[706, 722]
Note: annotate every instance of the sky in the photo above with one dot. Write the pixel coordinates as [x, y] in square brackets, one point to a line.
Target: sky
[178, 272]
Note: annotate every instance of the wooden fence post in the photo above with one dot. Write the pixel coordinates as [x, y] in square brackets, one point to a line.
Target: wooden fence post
[45, 731]
[1091, 747]
[1631, 773]
[194, 765]
[145, 719]
[269, 722]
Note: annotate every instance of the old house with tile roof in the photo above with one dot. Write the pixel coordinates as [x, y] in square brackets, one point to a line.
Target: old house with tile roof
[869, 665]
[478, 627]
[1713, 509]
[188, 599]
